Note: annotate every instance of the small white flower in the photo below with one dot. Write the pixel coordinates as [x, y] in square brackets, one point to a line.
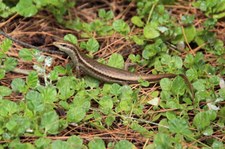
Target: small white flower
[39, 56]
[29, 130]
[222, 83]
[74, 124]
[162, 29]
[48, 61]
[219, 100]
[39, 69]
[155, 101]
[212, 107]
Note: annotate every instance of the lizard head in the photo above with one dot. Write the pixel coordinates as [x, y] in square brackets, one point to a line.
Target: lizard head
[65, 47]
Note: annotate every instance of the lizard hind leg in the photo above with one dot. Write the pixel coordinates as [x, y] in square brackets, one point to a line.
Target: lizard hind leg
[77, 71]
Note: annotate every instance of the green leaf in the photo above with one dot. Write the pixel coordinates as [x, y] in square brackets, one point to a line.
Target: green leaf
[6, 11]
[121, 27]
[124, 144]
[219, 16]
[220, 6]
[101, 13]
[192, 74]
[42, 142]
[18, 85]
[50, 122]
[150, 32]
[71, 38]
[93, 93]
[106, 30]
[65, 88]
[82, 100]
[49, 94]
[18, 145]
[91, 82]
[189, 60]
[8, 108]
[106, 104]
[18, 124]
[178, 86]
[116, 60]
[58, 144]
[149, 51]
[75, 115]
[222, 93]
[109, 15]
[214, 80]
[136, 20]
[96, 144]
[124, 105]
[163, 126]
[179, 126]
[199, 85]
[5, 45]
[106, 88]
[53, 75]
[56, 71]
[75, 142]
[215, 8]
[60, 69]
[5, 91]
[170, 115]
[200, 4]
[26, 54]
[162, 141]
[138, 40]
[64, 104]
[177, 62]
[166, 84]
[187, 19]
[203, 119]
[210, 23]
[217, 145]
[208, 131]
[127, 92]
[32, 79]
[109, 120]
[26, 8]
[190, 33]
[115, 89]
[2, 73]
[92, 45]
[135, 58]
[105, 15]
[144, 83]
[10, 63]
[34, 101]
[140, 129]
[11, 125]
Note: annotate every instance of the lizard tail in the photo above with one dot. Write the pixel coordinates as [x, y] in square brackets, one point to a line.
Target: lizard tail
[189, 85]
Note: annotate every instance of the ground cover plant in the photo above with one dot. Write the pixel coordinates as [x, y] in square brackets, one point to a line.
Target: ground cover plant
[45, 105]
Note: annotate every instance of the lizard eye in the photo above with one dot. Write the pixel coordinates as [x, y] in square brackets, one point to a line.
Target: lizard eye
[64, 45]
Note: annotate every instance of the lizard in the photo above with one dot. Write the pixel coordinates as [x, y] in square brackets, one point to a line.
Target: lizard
[101, 71]
[108, 73]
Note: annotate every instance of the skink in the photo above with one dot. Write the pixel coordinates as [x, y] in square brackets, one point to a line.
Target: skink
[107, 73]
[101, 71]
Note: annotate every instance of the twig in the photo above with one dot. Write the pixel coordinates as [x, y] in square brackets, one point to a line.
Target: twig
[29, 45]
